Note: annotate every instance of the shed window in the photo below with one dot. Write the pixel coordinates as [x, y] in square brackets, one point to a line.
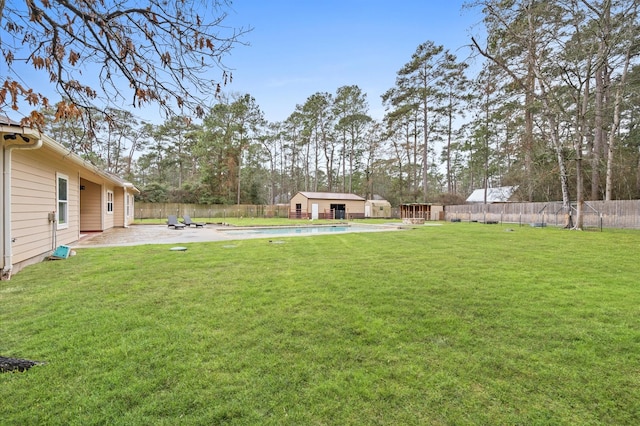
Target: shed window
[62, 194]
[110, 202]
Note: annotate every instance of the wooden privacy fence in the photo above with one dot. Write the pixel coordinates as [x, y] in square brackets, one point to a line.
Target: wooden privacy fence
[208, 211]
[606, 214]
[217, 212]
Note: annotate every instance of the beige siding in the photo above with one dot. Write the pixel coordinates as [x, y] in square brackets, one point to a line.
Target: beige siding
[33, 197]
[94, 203]
[118, 207]
[129, 208]
[109, 220]
[123, 208]
[353, 207]
[300, 199]
[90, 206]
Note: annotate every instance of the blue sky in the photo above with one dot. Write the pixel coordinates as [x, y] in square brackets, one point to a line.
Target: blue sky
[300, 47]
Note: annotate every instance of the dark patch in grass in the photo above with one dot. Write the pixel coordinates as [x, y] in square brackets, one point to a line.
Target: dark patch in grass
[16, 364]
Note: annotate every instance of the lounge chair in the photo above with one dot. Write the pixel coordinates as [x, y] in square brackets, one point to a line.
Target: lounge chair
[187, 221]
[172, 221]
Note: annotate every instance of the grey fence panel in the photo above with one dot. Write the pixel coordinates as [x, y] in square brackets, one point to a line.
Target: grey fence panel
[606, 214]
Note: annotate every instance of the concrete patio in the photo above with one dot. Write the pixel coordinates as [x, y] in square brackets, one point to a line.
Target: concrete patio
[153, 234]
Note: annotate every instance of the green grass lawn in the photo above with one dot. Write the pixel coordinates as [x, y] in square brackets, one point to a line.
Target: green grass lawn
[446, 325]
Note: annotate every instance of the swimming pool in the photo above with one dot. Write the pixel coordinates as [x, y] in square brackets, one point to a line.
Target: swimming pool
[303, 230]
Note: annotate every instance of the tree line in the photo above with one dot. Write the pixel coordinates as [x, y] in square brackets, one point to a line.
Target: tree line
[551, 106]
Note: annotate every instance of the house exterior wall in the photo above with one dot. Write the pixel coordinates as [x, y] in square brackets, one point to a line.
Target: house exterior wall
[33, 197]
[34, 180]
[129, 207]
[108, 216]
[118, 219]
[90, 206]
[94, 214]
[123, 208]
[96, 194]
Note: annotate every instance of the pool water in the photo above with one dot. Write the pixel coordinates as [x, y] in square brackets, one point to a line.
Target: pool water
[294, 230]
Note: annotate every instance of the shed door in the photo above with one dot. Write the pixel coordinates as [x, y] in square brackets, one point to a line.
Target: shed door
[339, 211]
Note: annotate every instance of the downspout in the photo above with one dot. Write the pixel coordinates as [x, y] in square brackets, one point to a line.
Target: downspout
[11, 141]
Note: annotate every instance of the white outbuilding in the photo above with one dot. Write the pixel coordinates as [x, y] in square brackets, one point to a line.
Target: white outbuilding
[500, 194]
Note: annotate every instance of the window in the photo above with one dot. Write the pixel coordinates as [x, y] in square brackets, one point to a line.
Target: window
[110, 202]
[63, 201]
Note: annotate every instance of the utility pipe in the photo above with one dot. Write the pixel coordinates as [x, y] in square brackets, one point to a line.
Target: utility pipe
[11, 140]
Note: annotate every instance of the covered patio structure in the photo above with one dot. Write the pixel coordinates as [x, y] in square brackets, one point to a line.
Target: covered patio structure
[420, 212]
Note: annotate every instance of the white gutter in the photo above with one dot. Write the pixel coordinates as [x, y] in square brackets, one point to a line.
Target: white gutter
[11, 138]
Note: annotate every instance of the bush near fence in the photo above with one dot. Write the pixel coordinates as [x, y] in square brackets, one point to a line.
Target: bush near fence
[605, 214]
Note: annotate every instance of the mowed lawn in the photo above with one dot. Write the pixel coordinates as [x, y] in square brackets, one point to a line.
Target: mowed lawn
[446, 325]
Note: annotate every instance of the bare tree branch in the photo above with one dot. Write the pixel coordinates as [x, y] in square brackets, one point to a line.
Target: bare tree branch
[98, 53]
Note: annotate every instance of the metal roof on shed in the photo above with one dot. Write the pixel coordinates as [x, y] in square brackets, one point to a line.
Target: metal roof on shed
[331, 196]
[499, 194]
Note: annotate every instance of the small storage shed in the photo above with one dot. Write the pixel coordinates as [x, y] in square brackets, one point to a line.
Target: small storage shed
[326, 205]
[377, 209]
[421, 212]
